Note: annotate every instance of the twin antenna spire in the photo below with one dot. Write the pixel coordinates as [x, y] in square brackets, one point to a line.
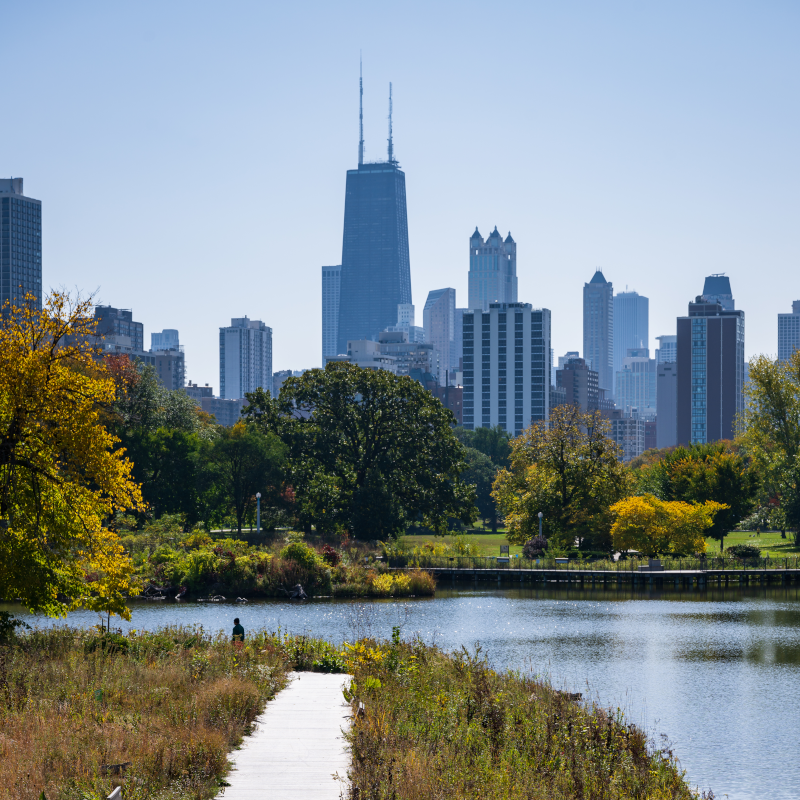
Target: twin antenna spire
[361, 117]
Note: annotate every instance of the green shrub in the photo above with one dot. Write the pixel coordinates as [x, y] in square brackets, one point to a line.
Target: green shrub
[201, 569]
[300, 553]
[163, 554]
[744, 551]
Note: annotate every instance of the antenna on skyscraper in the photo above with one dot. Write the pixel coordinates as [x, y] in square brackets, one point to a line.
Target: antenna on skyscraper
[391, 146]
[360, 112]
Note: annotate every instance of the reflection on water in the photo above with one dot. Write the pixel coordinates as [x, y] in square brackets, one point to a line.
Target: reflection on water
[716, 671]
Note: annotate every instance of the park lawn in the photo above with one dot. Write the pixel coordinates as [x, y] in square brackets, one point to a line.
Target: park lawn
[488, 543]
[770, 543]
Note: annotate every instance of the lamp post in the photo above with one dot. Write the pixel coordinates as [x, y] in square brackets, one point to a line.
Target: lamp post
[540, 523]
[258, 512]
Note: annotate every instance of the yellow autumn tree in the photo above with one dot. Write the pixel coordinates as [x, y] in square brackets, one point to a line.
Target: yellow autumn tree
[654, 527]
[61, 478]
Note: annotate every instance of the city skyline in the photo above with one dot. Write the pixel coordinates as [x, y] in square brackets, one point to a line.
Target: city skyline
[687, 169]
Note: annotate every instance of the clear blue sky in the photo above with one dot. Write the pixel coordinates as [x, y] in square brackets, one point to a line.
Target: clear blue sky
[191, 156]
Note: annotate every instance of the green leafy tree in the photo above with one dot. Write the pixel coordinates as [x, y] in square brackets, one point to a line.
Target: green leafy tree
[480, 473]
[714, 472]
[244, 460]
[770, 432]
[570, 470]
[495, 443]
[369, 452]
[163, 433]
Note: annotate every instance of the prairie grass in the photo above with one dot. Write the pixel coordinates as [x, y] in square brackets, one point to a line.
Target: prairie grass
[172, 703]
[448, 726]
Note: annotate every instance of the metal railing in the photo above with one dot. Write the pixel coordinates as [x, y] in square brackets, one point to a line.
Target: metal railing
[668, 563]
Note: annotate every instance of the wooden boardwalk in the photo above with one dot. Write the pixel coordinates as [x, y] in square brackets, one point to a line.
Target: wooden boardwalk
[297, 747]
[584, 577]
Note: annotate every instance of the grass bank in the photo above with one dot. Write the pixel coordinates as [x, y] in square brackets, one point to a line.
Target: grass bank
[171, 704]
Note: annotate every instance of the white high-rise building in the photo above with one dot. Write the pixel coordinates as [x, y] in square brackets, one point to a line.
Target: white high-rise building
[168, 339]
[636, 385]
[789, 332]
[438, 319]
[492, 270]
[245, 358]
[667, 350]
[506, 367]
[405, 324]
[331, 280]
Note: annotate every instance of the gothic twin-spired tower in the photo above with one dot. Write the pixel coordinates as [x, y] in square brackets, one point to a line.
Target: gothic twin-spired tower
[375, 271]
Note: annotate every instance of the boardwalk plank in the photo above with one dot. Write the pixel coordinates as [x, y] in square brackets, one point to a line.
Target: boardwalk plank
[297, 747]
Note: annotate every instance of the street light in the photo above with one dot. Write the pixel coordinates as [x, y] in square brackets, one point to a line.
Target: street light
[258, 512]
[540, 523]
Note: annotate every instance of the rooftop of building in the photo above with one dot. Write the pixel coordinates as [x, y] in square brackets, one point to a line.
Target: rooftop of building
[598, 277]
[718, 284]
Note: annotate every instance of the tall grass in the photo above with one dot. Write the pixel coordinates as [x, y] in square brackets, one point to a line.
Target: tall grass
[172, 703]
[447, 726]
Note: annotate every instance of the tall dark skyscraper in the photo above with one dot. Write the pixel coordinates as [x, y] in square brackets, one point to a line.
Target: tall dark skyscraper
[375, 272]
[20, 244]
[710, 377]
[598, 329]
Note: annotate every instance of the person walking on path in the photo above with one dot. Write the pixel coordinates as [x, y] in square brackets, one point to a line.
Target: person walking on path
[238, 631]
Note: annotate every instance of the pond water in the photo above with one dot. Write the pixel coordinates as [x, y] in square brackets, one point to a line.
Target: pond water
[717, 672]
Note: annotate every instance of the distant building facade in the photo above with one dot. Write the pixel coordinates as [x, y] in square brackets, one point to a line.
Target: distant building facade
[789, 332]
[197, 393]
[438, 319]
[168, 339]
[631, 326]
[375, 272]
[636, 384]
[711, 368]
[492, 270]
[278, 379]
[667, 401]
[331, 282]
[578, 384]
[20, 244]
[245, 358]
[506, 366]
[226, 412]
[598, 329]
[667, 351]
[406, 323]
[458, 338]
[628, 433]
[116, 322]
[170, 368]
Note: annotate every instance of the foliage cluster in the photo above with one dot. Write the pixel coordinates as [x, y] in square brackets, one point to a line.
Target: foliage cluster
[718, 472]
[62, 474]
[652, 526]
[568, 469]
[438, 725]
[369, 452]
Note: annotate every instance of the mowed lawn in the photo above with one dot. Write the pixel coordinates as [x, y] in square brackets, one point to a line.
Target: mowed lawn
[770, 543]
[488, 543]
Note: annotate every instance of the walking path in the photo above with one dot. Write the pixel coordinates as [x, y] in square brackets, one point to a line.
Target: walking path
[297, 747]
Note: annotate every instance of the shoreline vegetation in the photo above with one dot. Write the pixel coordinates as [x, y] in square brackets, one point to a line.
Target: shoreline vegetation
[85, 710]
[168, 561]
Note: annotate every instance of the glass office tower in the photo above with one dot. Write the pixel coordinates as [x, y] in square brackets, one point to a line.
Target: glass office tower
[20, 244]
[375, 272]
